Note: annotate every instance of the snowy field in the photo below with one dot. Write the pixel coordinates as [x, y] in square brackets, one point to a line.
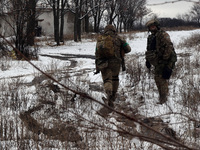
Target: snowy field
[24, 90]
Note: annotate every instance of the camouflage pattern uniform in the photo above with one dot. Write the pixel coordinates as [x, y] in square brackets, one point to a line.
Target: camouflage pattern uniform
[111, 67]
[159, 50]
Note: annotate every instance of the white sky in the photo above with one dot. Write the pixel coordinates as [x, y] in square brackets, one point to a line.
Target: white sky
[170, 9]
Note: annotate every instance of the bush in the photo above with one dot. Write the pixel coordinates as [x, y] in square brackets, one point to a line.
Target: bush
[3, 50]
[31, 53]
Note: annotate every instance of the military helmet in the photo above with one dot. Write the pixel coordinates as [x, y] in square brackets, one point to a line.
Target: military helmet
[110, 28]
[153, 22]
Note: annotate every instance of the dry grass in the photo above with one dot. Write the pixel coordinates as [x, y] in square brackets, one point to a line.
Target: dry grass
[192, 41]
[181, 28]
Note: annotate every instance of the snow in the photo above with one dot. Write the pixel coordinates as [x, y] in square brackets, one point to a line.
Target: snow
[87, 47]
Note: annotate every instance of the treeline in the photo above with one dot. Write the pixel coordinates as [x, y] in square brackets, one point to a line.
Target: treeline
[174, 22]
[170, 23]
[191, 18]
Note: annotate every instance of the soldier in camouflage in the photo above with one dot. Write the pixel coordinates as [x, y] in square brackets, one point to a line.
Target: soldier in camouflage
[110, 68]
[159, 51]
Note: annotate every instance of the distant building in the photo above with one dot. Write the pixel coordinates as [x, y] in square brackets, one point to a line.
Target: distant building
[44, 21]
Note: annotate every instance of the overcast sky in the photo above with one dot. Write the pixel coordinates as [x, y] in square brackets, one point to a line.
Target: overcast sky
[170, 9]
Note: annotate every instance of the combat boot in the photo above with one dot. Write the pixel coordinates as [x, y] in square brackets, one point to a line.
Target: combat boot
[110, 103]
[113, 97]
[162, 99]
[109, 98]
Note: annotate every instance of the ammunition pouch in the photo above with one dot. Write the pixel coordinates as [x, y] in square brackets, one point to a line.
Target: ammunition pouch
[101, 64]
[152, 57]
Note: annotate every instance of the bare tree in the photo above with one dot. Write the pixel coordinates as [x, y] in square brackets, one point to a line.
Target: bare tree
[121, 13]
[112, 9]
[58, 7]
[63, 12]
[1, 6]
[80, 10]
[135, 10]
[185, 17]
[19, 16]
[126, 13]
[77, 21]
[86, 8]
[98, 8]
[195, 12]
[23, 15]
[31, 7]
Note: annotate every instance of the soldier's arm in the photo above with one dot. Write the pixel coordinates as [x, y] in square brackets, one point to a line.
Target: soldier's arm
[167, 46]
[126, 47]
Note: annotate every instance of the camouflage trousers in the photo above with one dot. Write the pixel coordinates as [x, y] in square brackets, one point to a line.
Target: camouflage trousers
[110, 76]
[162, 85]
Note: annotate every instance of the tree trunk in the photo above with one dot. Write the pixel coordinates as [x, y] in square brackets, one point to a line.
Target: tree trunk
[95, 25]
[31, 22]
[76, 22]
[56, 21]
[61, 28]
[75, 28]
[79, 20]
[62, 21]
[87, 24]
[79, 30]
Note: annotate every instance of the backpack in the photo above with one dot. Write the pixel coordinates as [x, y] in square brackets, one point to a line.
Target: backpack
[105, 47]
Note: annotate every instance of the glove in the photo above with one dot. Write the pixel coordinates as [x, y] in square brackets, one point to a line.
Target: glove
[97, 71]
[167, 72]
[148, 65]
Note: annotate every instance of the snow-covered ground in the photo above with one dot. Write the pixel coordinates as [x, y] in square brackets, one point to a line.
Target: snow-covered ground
[86, 47]
[82, 73]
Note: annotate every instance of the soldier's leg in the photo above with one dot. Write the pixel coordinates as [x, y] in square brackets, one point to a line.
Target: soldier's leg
[107, 80]
[115, 83]
[115, 79]
[162, 85]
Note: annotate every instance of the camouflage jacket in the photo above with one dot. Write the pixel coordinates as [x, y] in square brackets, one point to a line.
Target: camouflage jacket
[160, 47]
